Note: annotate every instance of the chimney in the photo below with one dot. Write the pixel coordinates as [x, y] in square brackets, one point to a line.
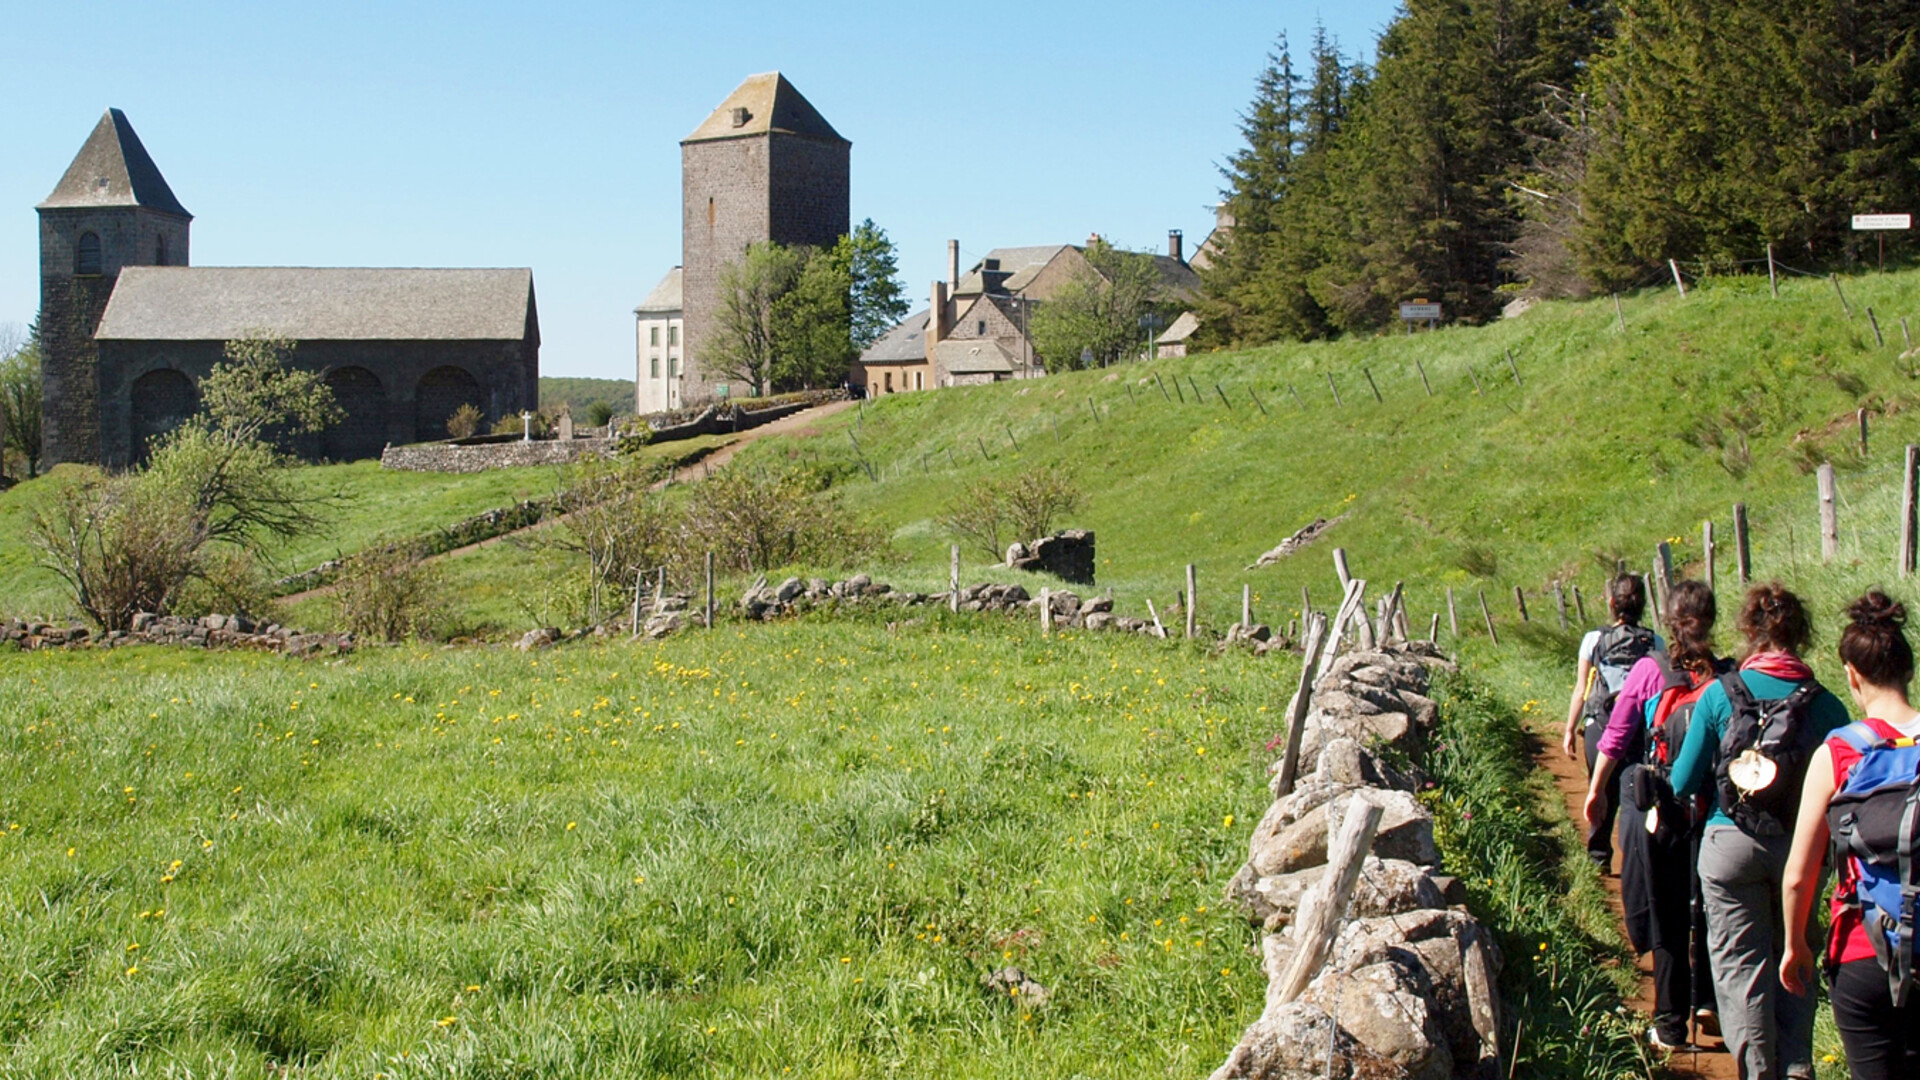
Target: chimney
[937, 316]
[1174, 238]
[953, 266]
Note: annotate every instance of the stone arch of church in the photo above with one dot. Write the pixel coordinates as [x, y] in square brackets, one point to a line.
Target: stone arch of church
[362, 429]
[162, 400]
[440, 394]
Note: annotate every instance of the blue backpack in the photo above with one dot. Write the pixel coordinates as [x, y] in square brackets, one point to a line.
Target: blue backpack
[1875, 820]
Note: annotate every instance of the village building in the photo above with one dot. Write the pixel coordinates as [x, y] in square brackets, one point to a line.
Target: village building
[657, 334]
[129, 328]
[897, 362]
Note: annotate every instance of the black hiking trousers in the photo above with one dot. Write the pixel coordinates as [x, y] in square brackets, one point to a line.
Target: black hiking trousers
[1659, 894]
[1600, 836]
[1883, 1043]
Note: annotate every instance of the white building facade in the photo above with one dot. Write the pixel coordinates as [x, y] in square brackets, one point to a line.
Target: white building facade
[658, 336]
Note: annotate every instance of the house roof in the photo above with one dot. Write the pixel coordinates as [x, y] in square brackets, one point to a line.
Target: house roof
[906, 343]
[972, 357]
[113, 169]
[1182, 329]
[665, 296]
[180, 303]
[772, 105]
[1025, 263]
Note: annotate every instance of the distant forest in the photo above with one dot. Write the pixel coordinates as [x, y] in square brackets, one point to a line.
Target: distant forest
[1499, 148]
[581, 394]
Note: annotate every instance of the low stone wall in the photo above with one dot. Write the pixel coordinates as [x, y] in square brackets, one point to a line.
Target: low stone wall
[455, 458]
[1409, 988]
[1067, 555]
[209, 632]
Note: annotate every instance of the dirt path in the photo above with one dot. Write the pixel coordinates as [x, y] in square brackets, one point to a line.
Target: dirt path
[1570, 776]
[797, 424]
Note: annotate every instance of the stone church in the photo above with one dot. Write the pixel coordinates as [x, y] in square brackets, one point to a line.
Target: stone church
[764, 166]
[128, 328]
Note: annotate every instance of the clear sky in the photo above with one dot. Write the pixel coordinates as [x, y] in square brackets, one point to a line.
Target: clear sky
[547, 135]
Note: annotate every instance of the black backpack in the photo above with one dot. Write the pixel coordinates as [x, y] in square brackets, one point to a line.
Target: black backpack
[1782, 732]
[1619, 648]
[1668, 715]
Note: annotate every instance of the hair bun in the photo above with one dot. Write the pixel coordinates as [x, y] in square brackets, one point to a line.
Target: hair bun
[1877, 609]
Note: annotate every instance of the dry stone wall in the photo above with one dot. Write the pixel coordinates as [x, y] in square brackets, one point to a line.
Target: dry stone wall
[207, 632]
[1410, 987]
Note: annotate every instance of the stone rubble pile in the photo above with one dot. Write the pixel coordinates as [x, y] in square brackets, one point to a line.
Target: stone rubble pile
[1409, 989]
[207, 632]
[1067, 555]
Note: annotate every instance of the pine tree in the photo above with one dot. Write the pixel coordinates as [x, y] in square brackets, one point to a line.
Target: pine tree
[1257, 176]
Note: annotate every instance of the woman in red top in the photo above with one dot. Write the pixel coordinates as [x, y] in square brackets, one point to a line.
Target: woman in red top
[1882, 1041]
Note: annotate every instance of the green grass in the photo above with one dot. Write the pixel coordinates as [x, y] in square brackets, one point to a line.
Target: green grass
[799, 846]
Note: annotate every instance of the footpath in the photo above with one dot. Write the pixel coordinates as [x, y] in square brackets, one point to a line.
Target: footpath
[1711, 1061]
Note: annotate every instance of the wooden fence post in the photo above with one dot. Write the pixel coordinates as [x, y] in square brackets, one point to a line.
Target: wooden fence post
[1223, 397]
[1373, 385]
[1652, 589]
[1844, 306]
[1340, 566]
[1246, 604]
[1093, 410]
[953, 578]
[1163, 388]
[1663, 571]
[1742, 550]
[1433, 630]
[1191, 600]
[1619, 316]
[1317, 632]
[1773, 277]
[1709, 551]
[637, 572]
[1829, 515]
[1475, 376]
[1046, 611]
[1487, 614]
[710, 611]
[1390, 618]
[1511, 366]
[1306, 603]
[1261, 405]
[1909, 493]
[1296, 397]
[1336, 391]
[1453, 615]
[1010, 438]
[1182, 394]
[1325, 904]
[1863, 431]
[1579, 605]
[1878, 338]
[1198, 397]
[1678, 282]
[1159, 631]
[1422, 369]
[1520, 601]
[1560, 603]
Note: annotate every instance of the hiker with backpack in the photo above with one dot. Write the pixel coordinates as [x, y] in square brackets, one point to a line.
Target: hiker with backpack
[1861, 795]
[1659, 833]
[1606, 656]
[1748, 745]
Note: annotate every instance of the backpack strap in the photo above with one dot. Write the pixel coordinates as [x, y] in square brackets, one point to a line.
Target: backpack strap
[1900, 972]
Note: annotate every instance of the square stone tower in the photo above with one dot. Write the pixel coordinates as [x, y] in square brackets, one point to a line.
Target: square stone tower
[110, 211]
[766, 166]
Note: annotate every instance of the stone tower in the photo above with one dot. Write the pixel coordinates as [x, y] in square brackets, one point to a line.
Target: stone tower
[766, 166]
[111, 210]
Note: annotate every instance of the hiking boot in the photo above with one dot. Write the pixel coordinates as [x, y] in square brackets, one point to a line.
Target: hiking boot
[1708, 1021]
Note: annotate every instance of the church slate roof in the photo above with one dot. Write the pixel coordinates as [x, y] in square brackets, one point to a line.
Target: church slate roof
[906, 343]
[113, 169]
[201, 303]
[665, 296]
[772, 105]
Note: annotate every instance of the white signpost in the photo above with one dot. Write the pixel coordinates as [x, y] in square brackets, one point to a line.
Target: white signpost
[1420, 311]
[1882, 223]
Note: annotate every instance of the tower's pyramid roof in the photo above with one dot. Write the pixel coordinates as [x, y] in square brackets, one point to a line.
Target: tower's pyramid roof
[113, 169]
[772, 105]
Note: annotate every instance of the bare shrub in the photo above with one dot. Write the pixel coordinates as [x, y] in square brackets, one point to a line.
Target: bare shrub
[1024, 507]
[389, 592]
[464, 421]
[615, 519]
[231, 582]
[755, 519]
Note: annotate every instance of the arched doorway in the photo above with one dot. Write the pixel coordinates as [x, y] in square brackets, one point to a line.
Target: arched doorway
[162, 401]
[441, 393]
[362, 431]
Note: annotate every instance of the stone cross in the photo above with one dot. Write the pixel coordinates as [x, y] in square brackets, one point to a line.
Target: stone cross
[526, 426]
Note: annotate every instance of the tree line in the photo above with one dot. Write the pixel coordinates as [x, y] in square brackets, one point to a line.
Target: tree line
[1497, 148]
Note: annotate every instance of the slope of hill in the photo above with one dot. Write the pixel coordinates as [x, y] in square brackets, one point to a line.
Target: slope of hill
[581, 392]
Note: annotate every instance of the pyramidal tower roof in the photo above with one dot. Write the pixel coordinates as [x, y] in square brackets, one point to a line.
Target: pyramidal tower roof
[113, 169]
[763, 104]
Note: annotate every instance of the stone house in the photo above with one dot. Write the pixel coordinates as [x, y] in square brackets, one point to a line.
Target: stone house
[897, 362]
[658, 326]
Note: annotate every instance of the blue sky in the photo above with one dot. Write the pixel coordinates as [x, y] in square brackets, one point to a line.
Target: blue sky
[489, 134]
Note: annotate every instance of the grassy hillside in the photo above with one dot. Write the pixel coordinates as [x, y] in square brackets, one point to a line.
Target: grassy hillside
[581, 392]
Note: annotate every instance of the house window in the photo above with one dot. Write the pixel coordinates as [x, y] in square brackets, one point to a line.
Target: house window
[673, 335]
[653, 335]
[160, 251]
[919, 380]
[980, 328]
[673, 366]
[889, 382]
[655, 372]
[87, 257]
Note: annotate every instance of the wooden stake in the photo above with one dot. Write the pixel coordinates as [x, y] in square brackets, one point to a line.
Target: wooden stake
[1652, 590]
[1306, 603]
[1302, 701]
[1391, 616]
[1618, 315]
[1158, 630]
[1177, 390]
[1909, 495]
[1010, 438]
[1256, 401]
[1453, 615]
[1773, 278]
[1191, 600]
[1487, 614]
[983, 447]
[1520, 601]
[1246, 604]
[1678, 283]
[1665, 551]
[710, 611]
[1708, 552]
[1352, 610]
[1875, 323]
[1340, 566]
[1336, 391]
[953, 578]
[1844, 306]
[1579, 606]
[1223, 397]
[1093, 410]
[636, 602]
[1906, 335]
[1422, 369]
[1475, 376]
[1829, 515]
[1055, 424]
[1433, 630]
[1863, 431]
[1560, 603]
[1198, 397]
[1046, 611]
[1162, 386]
[1131, 400]
[1296, 397]
[1325, 904]
[1742, 551]
[1373, 385]
[1513, 368]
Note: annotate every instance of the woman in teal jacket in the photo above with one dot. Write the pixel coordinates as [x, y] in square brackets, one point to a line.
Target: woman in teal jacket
[1768, 1031]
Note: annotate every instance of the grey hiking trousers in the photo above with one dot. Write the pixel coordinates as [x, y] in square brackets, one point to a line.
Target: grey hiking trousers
[1768, 1031]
